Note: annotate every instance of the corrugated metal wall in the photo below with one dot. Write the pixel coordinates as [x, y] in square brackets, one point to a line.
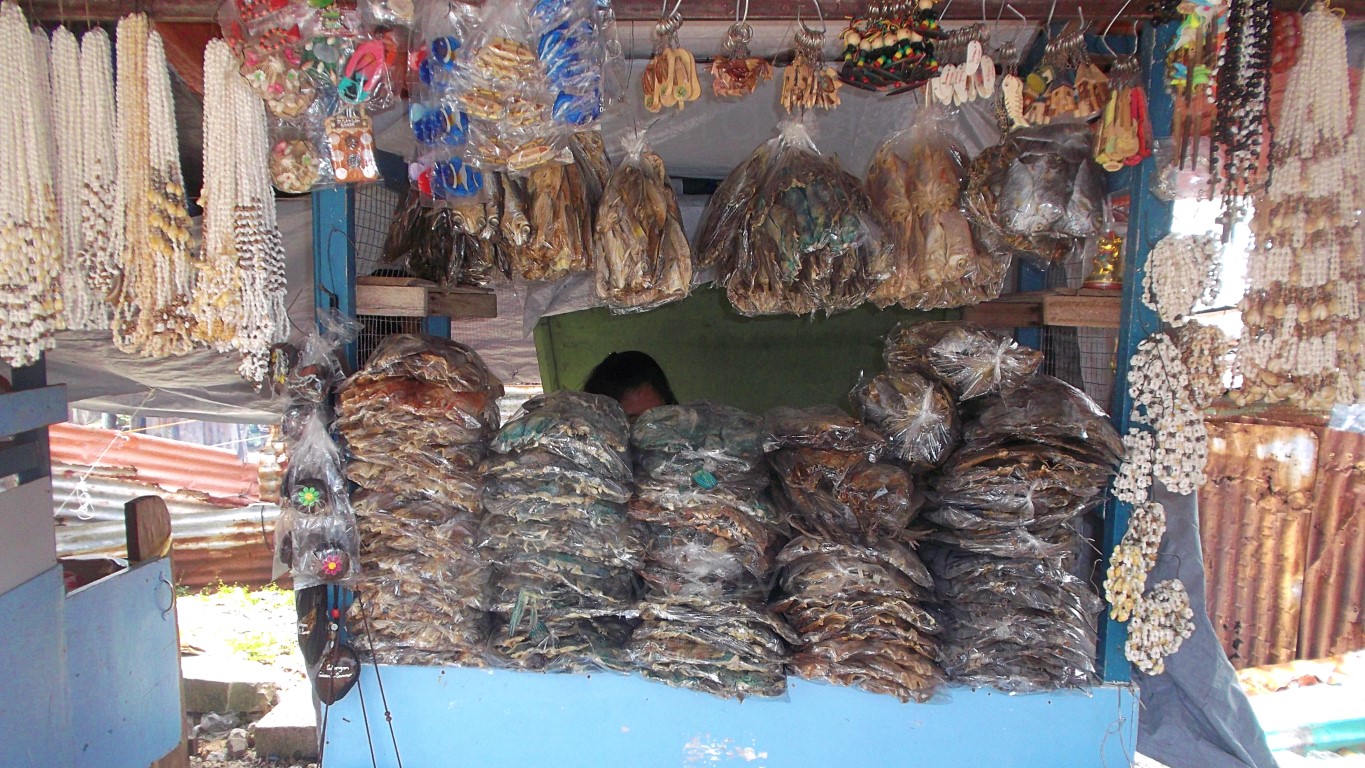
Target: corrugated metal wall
[1280, 519]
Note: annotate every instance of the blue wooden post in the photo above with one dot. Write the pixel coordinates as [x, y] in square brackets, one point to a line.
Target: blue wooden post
[1149, 221]
[1031, 278]
[436, 326]
[334, 256]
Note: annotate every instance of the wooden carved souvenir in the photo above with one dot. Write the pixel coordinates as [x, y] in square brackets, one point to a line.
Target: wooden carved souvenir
[350, 137]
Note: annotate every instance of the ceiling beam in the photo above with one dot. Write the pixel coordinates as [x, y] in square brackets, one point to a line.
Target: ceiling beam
[648, 10]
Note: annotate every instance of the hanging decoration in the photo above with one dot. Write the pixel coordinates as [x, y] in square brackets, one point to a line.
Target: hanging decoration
[83, 303]
[1182, 271]
[239, 298]
[670, 78]
[1009, 108]
[1162, 621]
[891, 48]
[151, 298]
[1123, 135]
[736, 73]
[1191, 66]
[1066, 85]
[808, 82]
[1302, 341]
[30, 233]
[101, 196]
[1242, 106]
[966, 71]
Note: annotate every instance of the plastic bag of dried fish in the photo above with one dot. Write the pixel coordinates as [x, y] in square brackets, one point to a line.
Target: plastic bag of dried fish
[915, 182]
[859, 615]
[971, 360]
[843, 495]
[914, 411]
[701, 444]
[556, 196]
[423, 585]
[823, 427]
[563, 550]
[803, 241]
[1038, 191]
[1047, 410]
[642, 257]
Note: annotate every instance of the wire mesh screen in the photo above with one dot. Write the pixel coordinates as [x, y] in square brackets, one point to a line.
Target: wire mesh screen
[375, 328]
[1082, 357]
[374, 208]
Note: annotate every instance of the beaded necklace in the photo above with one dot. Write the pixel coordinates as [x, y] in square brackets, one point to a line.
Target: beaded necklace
[101, 196]
[84, 307]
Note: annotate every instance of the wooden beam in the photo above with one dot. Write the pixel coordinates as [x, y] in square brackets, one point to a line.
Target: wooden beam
[391, 300]
[1082, 311]
[463, 302]
[32, 409]
[147, 523]
[1006, 314]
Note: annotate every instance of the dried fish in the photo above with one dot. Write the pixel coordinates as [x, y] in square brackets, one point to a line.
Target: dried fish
[971, 360]
[915, 412]
[843, 495]
[513, 226]
[642, 257]
[823, 427]
[805, 240]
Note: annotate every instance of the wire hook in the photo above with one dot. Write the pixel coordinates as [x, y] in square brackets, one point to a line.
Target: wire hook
[1104, 37]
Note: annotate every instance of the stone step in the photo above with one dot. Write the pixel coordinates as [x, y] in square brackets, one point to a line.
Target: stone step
[225, 684]
[290, 730]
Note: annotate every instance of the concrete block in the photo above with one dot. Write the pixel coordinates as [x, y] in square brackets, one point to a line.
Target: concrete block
[217, 684]
[289, 730]
[237, 743]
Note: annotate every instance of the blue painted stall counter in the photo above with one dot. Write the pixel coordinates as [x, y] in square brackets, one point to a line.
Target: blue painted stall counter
[445, 717]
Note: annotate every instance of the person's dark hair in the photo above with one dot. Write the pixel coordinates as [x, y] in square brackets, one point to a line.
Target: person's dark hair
[620, 372]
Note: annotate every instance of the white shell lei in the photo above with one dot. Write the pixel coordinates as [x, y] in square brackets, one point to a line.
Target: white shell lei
[30, 236]
[151, 301]
[1181, 271]
[1162, 620]
[101, 198]
[243, 253]
[1302, 342]
[85, 308]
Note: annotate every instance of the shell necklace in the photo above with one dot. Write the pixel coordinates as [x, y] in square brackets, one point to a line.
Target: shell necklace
[30, 235]
[101, 196]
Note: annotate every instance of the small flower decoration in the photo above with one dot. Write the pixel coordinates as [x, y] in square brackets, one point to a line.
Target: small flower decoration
[307, 497]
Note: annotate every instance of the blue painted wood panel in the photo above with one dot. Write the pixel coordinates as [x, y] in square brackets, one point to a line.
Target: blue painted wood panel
[123, 663]
[35, 721]
[468, 717]
[28, 409]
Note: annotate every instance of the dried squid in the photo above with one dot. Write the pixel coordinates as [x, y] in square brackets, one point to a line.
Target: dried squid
[916, 180]
[557, 197]
[642, 257]
[804, 241]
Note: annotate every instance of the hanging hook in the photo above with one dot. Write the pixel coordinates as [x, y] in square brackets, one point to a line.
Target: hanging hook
[1104, 38]
[943, 14]
[1047, 27]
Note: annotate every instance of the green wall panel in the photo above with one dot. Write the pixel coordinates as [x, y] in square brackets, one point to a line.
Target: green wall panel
[710, 352]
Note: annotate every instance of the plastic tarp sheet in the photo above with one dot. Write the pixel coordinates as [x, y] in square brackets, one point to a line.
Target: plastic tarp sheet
[1195, 715]
[201, 385]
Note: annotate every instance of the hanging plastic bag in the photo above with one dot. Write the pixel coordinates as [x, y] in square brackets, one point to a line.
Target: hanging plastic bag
[642, 257]
[915, 412]
[971, 360]
[805, 241]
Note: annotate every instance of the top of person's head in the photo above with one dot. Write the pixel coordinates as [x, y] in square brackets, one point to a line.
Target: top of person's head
[621, 372]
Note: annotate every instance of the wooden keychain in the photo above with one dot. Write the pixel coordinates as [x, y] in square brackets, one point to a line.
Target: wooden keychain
[670, 78]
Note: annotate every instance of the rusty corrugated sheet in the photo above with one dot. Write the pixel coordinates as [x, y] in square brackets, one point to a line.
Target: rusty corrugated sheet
[1254, 519]
[1334, 593]
[169, 464]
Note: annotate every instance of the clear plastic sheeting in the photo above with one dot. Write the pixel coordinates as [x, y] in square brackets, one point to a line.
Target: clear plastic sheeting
[914, 411]
[971, 360]
[702, 490]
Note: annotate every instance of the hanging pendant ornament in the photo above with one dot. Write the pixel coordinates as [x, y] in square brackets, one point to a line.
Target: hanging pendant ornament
[891, 48]
[966, 72]
[1242, 106]
[808, 82]
[670, 78]
[1009, 108]
[1123, 136]
[1302, 341]
[737, 73]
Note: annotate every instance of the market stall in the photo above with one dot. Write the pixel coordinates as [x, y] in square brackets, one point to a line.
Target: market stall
[876, 527]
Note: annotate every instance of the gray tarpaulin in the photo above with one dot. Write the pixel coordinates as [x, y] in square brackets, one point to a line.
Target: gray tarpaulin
[1195, 715]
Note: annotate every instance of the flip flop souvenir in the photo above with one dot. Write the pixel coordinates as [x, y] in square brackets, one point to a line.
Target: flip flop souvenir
[363, 73]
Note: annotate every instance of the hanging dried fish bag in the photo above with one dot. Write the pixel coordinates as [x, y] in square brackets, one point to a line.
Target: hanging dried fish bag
[642, 256]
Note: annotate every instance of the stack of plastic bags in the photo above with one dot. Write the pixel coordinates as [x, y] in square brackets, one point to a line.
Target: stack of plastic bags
[417, 421]
[564, 553]
[850, 584]
[701, 486]
[1007, 510]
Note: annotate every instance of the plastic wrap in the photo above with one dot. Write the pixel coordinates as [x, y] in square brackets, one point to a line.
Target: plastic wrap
[299, 158]
[590, 431]
[701, 445]
[642, 256]
[915, 182]
[423, 241]
[916, 413]
[417, 420]
[823, 427]
[564, 551]
[424, 583]
[1039, 191]
[701, 488]
[1047, 410]
[316, 538]
[844, 496]
[971, 360]
[560, 235]
[858, 612]
[802, 241]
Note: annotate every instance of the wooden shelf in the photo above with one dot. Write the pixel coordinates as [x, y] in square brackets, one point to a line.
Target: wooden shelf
[410, 297]
[1080, 308]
